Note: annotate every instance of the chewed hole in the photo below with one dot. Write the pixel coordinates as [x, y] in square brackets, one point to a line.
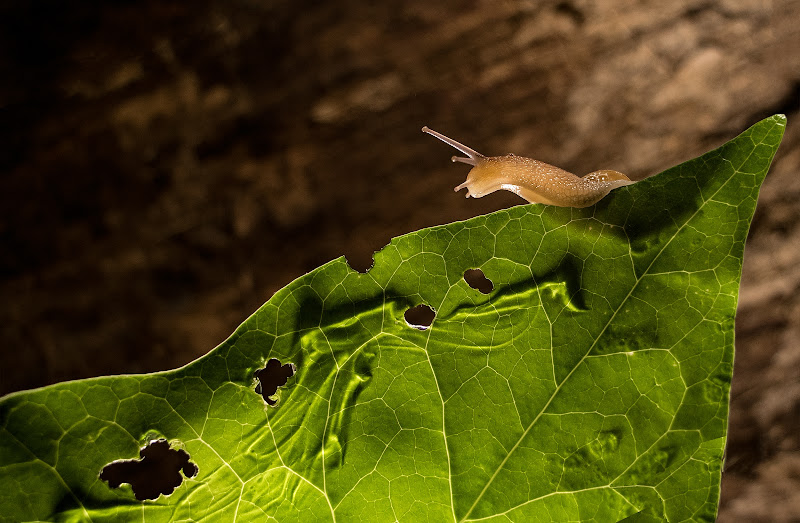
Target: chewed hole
[271, 377]
[360, 261]
[158, 472]
[420, 317]
[360, 249]
[478, 281]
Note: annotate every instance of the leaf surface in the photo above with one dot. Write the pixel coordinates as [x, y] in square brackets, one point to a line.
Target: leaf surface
[590, 384]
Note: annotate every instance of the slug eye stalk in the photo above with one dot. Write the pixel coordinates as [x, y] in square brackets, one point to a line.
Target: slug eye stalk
[473, 155]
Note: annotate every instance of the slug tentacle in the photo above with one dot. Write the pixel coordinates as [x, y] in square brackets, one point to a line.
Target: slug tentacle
[535, 181]
[474, 155]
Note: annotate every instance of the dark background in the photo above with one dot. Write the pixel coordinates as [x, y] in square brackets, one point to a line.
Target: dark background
[166, 166]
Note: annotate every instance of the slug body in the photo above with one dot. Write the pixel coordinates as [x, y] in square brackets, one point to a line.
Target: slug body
[536, 181]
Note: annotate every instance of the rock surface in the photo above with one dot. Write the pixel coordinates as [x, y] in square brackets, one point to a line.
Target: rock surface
[167, 166]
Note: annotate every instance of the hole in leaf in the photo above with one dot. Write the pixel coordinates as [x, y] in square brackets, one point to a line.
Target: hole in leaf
[158, 472]
[420, 317]
[360, 261]
[272, 376]
[360, 248]
[478, 281]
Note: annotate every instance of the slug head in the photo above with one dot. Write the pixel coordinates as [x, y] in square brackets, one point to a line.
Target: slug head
[487, 176]
[480, 180]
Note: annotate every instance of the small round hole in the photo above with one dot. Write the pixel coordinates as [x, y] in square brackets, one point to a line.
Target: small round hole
[420, 317]
[478, 281]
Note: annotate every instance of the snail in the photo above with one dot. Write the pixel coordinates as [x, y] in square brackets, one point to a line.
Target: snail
[536, 181]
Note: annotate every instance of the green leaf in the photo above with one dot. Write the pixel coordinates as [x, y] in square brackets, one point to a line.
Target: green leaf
[591, 383]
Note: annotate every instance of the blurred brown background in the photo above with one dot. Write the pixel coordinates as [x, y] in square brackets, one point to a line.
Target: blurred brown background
[166, 166]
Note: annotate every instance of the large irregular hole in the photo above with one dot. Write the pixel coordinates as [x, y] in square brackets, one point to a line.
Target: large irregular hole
[272, 376]
[158, 472]
[420, 317]
[478, 281]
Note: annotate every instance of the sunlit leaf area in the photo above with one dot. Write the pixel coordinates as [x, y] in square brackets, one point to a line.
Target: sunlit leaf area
[534, 364]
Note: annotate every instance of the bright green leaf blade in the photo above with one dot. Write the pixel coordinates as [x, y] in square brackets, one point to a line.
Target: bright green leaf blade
[591, 384]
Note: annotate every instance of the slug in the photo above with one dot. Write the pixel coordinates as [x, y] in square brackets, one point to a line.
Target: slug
[536, 181]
